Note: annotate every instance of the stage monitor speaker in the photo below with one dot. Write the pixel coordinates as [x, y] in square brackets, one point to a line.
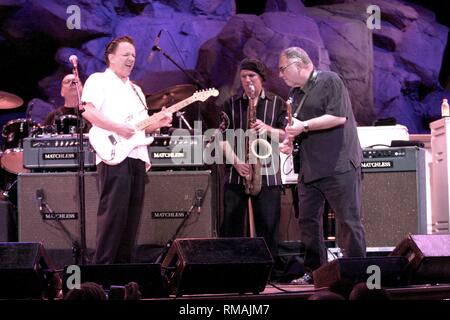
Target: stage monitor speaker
[57, 231]
[428, 257]
[222, 265]
[355, 269]
[393, 194]
[169, 195]
[147, 275]
[26, 272]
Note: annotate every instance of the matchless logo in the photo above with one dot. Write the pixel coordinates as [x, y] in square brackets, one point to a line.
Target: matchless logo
[170, 155]
[168, 214]
[377, 164]
[60, 216]
[58, 156]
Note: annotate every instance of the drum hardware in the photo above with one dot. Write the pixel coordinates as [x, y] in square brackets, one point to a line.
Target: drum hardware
[169, 96]
[181, 119]
[66, 124]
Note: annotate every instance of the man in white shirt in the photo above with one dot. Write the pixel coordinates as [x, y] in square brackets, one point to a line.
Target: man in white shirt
[111, 100]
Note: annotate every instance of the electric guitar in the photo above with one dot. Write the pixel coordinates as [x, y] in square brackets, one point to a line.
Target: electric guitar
[113, 149]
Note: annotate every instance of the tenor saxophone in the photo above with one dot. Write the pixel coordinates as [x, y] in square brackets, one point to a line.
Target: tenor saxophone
[253, 180]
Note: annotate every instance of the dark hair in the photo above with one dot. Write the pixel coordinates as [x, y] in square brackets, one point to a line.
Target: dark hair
[255, 66]
[87, 291]
[326, 295]
[362, 292]
[112, 46]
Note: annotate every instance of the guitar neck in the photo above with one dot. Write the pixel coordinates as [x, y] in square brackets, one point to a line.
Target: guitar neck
[141, 125]
[289, 111]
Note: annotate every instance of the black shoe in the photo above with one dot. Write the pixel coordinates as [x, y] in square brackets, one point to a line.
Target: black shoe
[306, 279]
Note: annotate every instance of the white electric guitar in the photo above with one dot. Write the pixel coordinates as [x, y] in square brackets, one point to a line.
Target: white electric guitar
[113, 149]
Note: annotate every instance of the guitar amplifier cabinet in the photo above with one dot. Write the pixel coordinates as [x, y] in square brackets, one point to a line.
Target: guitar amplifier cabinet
[176, 152]
[56, 152]
[58, 230]
[393, 194]
[169, 195]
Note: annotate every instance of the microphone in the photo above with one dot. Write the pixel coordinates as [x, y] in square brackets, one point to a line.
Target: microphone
[155, 46]
[252, 90]
[199, 200]
[40, 199]
[74, 60]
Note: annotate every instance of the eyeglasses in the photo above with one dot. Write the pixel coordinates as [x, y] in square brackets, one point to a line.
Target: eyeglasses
[282, 69]
[69, 81]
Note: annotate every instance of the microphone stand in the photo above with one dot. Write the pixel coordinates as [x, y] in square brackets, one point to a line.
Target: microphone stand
[198, 200]
[75, 245]
[165, 54]
[198, 84]
[81, 173]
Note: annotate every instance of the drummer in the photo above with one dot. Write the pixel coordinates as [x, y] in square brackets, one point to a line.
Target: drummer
[69, 93]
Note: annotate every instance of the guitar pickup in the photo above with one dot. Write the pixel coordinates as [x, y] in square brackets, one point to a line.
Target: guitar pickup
[112, 139]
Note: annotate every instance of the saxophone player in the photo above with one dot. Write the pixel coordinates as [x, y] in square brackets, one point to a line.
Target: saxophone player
[270, 119]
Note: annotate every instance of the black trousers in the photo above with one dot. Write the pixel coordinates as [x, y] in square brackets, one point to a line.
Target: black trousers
[343, 193]
[119, 211]
[266, 212]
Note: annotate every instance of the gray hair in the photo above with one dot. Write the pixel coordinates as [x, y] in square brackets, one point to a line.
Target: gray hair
[297, 53]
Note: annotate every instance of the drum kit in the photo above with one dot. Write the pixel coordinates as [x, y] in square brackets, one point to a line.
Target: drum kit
[13, 133]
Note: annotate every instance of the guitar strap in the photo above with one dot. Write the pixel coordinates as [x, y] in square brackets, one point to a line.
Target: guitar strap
[302, 101]
[139, 97]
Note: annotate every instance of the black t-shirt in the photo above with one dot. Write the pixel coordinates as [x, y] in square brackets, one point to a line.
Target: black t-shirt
[324, 153]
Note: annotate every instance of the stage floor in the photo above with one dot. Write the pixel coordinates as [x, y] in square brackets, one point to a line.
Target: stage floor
[287, 291]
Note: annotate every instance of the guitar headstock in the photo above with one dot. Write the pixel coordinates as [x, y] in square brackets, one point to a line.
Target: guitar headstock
[202, 95]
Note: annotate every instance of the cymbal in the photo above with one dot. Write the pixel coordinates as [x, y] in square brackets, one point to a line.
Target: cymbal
[9, 100]
[169, 96]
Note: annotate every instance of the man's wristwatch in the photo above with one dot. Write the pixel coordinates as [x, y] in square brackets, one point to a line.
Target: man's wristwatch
[305, 126]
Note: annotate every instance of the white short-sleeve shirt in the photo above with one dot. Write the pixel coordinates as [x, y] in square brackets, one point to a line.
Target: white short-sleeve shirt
[116, 100]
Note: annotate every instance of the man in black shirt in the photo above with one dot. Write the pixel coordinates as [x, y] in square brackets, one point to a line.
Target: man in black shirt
[330, 157]
[64, 118]
[269, 123]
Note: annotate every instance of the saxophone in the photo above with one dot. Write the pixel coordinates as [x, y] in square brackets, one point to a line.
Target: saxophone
[253, 180]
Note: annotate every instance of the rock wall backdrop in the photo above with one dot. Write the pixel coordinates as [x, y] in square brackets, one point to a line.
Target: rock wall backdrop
[400, 70]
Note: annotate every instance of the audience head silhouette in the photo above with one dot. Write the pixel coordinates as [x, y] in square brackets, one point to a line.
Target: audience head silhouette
[363, 293]
[326, 295]
[87, 291]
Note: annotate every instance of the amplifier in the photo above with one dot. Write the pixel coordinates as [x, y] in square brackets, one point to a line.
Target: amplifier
[392, 159]
[393, 194]
[56, 152]
[176, 151]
